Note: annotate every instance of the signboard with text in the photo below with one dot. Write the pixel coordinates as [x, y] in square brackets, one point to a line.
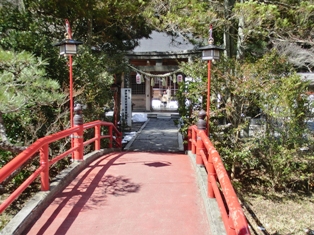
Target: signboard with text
[126, 106]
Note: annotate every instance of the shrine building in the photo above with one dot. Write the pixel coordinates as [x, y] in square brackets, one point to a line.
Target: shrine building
[155, 76]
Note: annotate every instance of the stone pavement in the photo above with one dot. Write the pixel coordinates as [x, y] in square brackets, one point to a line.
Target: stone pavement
[157, 135]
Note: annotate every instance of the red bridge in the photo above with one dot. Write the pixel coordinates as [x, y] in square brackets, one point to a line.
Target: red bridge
[109, 191]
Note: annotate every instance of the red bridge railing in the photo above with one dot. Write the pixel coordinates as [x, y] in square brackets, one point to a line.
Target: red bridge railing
[41, 146]
[231, 211]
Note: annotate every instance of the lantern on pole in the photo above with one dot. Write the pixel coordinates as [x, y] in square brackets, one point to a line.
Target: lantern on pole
[68, 47]
[209, 53]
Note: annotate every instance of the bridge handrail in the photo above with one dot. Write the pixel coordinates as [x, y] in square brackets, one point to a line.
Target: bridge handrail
[231, 211]
[42, 146]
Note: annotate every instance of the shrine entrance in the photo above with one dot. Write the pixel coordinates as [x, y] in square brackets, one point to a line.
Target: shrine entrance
[163, 93]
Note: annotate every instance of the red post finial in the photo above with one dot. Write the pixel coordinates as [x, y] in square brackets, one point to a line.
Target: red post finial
[210, 39]
[68, 29]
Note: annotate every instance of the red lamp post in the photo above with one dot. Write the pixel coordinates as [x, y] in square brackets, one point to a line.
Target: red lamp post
[68, 47]
[209, 53]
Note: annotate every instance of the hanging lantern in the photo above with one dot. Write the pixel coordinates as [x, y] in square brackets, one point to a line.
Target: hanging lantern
[138, 78]
[180, 78]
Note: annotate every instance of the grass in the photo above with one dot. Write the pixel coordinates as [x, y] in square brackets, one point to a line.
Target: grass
[280, 213]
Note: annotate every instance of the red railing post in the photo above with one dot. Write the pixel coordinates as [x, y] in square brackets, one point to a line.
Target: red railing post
[189, 139]
[199, 147]
[201, 126]
[110, 133]
[193, 140]
[97, 136]
[119, 138]
[44, 162]
[78, 136]
[211, 174]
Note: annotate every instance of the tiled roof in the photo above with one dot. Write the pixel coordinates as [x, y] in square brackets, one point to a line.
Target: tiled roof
[161, 42]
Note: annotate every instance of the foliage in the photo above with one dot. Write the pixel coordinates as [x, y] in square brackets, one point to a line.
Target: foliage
[269, 92]
[24, 88]
[110, 25]
[24, 83]
[185, 18]
[284, 25]
[106, 29]
[191, 93]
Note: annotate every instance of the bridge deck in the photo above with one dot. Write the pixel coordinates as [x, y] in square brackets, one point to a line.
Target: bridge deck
[129, 193]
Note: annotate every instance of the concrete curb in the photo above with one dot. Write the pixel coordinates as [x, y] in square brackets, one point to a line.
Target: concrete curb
[135, 136]
[211, 206]
[34, 207]
[180, 141]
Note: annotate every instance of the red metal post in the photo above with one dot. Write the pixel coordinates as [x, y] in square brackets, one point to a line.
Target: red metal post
[189, 139]
[97, 136]
[44, 161]
[210, 172]
[193, 139]
[208, 95]
[111, 139]
[71, 90]
[69, 35]
[78, 142]
[199, 146]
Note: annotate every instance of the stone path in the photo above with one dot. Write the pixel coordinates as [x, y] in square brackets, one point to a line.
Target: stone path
[157, 135]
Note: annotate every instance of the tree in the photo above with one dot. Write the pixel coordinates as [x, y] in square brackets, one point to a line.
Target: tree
[285, 25]
[109, 25]
[269, 92]
[24, 85]
[106, 29]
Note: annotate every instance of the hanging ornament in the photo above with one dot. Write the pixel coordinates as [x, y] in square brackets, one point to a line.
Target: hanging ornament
[180, 78]
[142, 78]
[170, 78]
[152, 82]
[163, 81]
[174, 78]
[138, 78]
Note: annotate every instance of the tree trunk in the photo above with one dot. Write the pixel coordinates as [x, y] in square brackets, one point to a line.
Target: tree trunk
[240, 53]
[229, 30]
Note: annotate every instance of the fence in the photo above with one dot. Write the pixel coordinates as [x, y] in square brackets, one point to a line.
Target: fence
[41, 146]
[219, 184]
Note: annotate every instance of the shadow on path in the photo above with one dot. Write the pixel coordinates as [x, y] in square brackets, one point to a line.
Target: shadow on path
[84, 189]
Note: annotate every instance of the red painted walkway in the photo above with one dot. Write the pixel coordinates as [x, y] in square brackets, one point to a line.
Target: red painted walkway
[129, 193]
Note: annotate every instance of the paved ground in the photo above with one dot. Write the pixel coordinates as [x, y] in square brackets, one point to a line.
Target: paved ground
[159, 135]
[142, 191]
